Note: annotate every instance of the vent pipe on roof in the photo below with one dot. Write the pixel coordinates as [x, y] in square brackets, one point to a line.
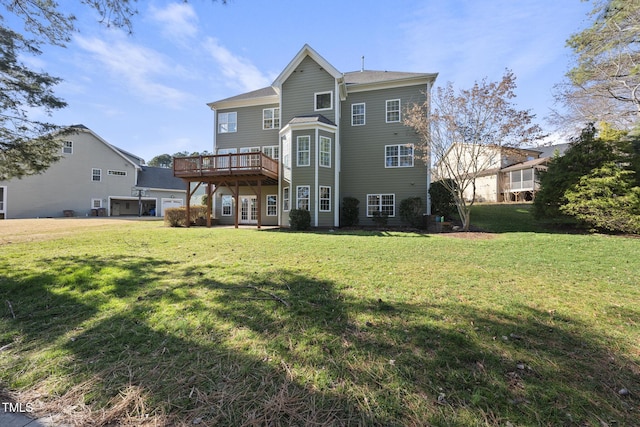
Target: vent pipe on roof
[362, 69]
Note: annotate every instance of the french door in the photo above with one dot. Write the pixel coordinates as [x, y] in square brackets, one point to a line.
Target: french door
[248, 210]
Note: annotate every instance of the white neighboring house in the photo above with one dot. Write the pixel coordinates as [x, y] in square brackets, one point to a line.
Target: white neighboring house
[503, 174]
[93, 178]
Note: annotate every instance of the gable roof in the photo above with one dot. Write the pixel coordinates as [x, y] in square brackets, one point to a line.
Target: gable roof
[353, 81]
[303, 53]
[125, 155]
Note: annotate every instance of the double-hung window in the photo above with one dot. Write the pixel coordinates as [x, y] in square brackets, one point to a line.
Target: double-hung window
[398, 156]
[302, 199]
[325, 152]
[272, 205]
[303, 150]
[358, 114]
[227, 122]
[272, 151]
[382, 203]
[393, 111]
[227, 204]
[285, 199]
[271, 118]
[325, 198]
[96, 175]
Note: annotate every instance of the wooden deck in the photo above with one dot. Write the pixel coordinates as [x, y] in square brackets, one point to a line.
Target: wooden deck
[232, 171]
[222, 167]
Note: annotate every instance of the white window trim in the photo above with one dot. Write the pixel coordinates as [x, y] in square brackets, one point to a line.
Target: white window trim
[114, 172]
[222, 205]
[308, 199]
[93, 170]
[364, 114]
[315, 101]
[64, 147]
[276, 205]
[273, 149]
[93, 203]
[286, 199]
[380, 205]
[387, 111]
[399, 165]
[320, 198]
[221, 123]
[275, 118]
[324, 138]
[308, 151]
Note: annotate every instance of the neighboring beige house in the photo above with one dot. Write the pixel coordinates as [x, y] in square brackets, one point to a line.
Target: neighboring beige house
[93, 178]
[313, 137]
[503, 174]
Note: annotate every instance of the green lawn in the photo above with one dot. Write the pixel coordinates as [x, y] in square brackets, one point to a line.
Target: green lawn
[141, 323]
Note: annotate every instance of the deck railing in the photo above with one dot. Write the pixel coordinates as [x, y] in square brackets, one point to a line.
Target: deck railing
[225, 164]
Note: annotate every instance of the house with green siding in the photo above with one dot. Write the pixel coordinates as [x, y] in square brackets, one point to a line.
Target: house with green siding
[313, 137]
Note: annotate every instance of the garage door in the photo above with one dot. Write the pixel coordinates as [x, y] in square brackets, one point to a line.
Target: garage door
[170, 203]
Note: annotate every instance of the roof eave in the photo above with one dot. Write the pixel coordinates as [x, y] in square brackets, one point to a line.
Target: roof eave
[389, 84]
[249, 102]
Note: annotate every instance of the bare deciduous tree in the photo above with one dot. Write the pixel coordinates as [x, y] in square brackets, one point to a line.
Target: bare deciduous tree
[464, 133]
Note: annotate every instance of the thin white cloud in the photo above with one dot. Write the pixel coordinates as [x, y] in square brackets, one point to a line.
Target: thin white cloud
[179, 20]
[139, 68]
[239, 72]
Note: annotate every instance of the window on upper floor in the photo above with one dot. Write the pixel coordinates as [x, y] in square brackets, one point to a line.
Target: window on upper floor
[67, 147]
[227, 122]
[116, 172]
[302, 199]
[383, 203]
[398, 156]
[325, 152]
[272, 151]
[272, 205]
[303, 150]
[325, 198]
[286, 152]
[323, 101]
[358, 114]
[96, 175]
[271, 118]
[393, 111]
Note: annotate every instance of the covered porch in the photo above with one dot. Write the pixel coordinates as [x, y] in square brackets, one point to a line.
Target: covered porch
[233, 171]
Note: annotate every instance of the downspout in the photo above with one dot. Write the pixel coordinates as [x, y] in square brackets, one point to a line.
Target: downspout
[336, 165]
[316, 196]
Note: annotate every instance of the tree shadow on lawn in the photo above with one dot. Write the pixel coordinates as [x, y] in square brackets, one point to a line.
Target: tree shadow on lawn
[282, 348]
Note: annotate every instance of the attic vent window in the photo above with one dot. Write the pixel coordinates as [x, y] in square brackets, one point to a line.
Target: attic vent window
[324, 101]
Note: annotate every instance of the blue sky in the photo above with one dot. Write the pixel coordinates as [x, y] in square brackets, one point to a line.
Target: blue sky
[147, 92]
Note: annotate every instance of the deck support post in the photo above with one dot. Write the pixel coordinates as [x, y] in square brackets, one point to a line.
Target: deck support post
[237, 202]
[209, 203]
[187, 214]
[259, 207]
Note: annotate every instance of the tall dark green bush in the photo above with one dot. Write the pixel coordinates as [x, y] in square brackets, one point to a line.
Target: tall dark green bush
[299, 219]
[442, 203]
[350, 211]
[411, 211]
[596, 184]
